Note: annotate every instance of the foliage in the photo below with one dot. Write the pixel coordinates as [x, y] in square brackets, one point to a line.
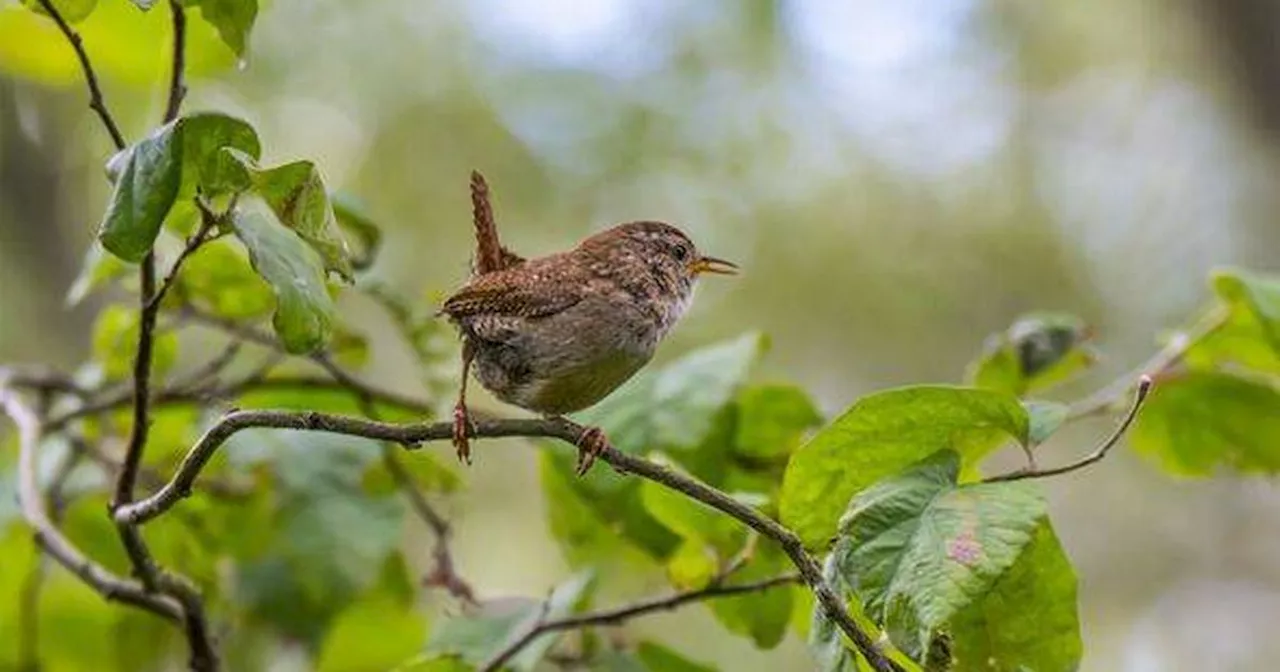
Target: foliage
[298, 536]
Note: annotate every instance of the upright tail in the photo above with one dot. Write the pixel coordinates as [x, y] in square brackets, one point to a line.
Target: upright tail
[490, 254]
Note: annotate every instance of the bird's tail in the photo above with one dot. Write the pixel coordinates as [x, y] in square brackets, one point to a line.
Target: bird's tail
[490, 254]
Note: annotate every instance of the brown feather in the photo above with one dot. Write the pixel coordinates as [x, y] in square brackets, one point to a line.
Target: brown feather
[491, 256]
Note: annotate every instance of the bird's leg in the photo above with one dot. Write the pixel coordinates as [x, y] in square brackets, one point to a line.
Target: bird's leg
[591, 443]
[461, 421]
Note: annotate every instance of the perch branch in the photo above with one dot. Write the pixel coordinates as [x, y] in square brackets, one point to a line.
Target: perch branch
[619, 615]
[412, 434]
[1139, 396]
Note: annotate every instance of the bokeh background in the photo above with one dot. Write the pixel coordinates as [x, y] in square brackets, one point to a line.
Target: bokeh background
[899, 178]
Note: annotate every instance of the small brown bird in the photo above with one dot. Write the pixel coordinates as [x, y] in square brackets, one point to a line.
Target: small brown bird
[557, 334]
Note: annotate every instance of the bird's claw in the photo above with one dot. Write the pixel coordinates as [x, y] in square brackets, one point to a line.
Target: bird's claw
[461, 429]
[591, 444]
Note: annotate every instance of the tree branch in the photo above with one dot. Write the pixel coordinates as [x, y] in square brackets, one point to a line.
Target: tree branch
[96, 101]
[621, 614]
[412, 434]
[1139, 396]
[1168, 356]
[47, 536]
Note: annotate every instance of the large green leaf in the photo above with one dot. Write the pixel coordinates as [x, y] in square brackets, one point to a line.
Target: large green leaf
[478, 637]
[1028, 620]
[1249, 336]
[1258, 295]
[675, 405]
[917, 548]
[233, 19]
[1195, 423]
[215, 172]
[355, 220]
[881, 435]
[304, 310]
[145, 190]
[296, 194]
[772, 419]
[1036, 352]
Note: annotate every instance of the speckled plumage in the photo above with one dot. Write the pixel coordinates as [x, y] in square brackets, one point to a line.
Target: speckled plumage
[558, 333]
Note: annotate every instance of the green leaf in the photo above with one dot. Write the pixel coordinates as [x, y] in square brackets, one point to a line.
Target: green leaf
[144, 193]
[881, 435]
[218, 278]
[205, 134]
[659, 658]
[916, 548]
[1197, 422]
[233, 19]
[692, 565]
[115, 340]
[476, 638]
[377, 632]
[762, 616]
[354, 219]
[1045, 417]
[73, 11]
[296, 194]
[688, 518]
[1036, 352]
[304, 311]
[772, 419]
[585, 525]
[1028, 620]
[426, 470]
[1256, 294]
[675, 405]
[435, 664]
[97, 269]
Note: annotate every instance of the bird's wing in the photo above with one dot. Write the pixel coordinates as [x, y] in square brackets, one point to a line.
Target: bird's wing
[522, 291]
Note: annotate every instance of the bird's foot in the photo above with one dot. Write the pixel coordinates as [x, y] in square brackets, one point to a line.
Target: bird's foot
[591, 444]
[461, 430]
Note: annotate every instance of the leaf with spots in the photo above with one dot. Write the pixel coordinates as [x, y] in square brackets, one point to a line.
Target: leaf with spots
[917, 548]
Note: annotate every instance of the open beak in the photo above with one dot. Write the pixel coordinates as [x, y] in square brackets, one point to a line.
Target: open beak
[712, 265]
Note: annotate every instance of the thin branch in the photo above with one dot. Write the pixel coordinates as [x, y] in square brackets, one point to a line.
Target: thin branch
[96, 101]
[412, 434]
[1165, 359]
[51, 540]
[619, 615]
[1139, 396]
[207, 221]
[177, 89]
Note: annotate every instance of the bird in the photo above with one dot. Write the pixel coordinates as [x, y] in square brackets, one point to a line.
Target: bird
[557, 334]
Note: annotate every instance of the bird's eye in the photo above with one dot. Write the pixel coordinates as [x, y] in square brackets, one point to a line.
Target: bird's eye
[682, 253]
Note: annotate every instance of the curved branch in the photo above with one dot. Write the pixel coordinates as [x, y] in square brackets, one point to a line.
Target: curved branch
[51, 540]
[410, 435]
[621, 614]
[1139, 396]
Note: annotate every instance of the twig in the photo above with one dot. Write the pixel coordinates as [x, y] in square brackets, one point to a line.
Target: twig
[57, 546]
[96, 101]
[412, 434]
[1162, 361]
[619, 615]
[177, 89]
[207, 221]
[443, 574]
[1140, 395]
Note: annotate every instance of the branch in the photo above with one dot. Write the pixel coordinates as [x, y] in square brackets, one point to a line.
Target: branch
[1140, 396]
[57, 546]
[412, 434]
[96, 101]
[1162, 361]
[619, 615]
[177, 89]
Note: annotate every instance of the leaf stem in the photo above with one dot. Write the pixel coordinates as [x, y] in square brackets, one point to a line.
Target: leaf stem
[1139, 396]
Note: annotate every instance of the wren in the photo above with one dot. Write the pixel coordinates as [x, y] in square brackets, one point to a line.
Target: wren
[558, 333]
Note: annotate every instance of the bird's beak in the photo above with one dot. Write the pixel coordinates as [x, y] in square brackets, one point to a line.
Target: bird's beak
[712, 265]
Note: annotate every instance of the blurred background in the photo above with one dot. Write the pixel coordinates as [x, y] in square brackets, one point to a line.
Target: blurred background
[899, 178]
